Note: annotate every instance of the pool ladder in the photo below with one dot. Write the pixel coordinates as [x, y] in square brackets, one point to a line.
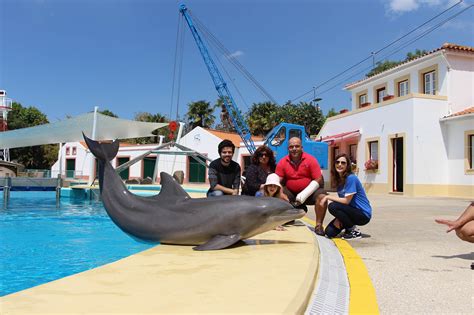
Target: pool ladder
[7, 185]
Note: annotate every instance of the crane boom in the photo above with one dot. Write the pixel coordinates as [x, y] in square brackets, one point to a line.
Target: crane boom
[221, 86]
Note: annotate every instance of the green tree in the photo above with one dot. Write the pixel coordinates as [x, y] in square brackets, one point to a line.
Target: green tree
[35, 157]
[225, 120]
[262, 117]
[331, 112]
[107, 113]
[304, 114]
[387, 64]
[382, 66]
[200, 114]
[148, 117]
[417, 53]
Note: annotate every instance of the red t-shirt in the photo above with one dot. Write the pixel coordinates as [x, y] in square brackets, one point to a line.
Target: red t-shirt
[298, 176]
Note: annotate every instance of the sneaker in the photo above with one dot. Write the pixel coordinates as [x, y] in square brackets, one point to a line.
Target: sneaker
[319, 230]
[352, 235]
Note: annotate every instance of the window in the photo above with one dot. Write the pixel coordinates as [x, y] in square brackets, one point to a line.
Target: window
[380, 94]
[470, 151]
[67, 150]
[353, 153]
[295, 133]
[279, 137]
[429, 83]
[403, 88]
[362, 99]
[374, 150]
[74, 150]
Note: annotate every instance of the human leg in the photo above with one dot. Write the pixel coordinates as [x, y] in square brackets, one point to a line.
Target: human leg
[466, 232]
[347, 215]
[320, 210]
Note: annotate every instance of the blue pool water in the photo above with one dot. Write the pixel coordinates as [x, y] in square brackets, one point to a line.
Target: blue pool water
[40, 243]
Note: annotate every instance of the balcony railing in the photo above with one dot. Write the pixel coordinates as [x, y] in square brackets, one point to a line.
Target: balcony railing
[5, 103]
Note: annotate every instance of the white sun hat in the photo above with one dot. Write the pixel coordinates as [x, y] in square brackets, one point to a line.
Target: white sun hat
[273, 179]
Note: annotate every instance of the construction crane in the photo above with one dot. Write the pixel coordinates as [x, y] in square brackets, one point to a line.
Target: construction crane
[221, 86]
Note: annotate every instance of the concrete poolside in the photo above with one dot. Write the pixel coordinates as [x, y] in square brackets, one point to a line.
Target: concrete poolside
[414, 266]
[274, 273]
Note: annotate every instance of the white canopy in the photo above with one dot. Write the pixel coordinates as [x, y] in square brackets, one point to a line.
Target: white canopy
[70, 130]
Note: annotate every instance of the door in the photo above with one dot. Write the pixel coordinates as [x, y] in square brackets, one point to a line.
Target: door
[126, 172]
[149, 167]
[197, 171]
[70, 168]
[397, 145]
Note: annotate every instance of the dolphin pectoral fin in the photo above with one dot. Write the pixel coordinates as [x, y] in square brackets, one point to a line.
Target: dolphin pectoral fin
[219, 242]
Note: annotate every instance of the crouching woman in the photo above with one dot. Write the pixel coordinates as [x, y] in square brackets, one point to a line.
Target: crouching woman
[351, 207]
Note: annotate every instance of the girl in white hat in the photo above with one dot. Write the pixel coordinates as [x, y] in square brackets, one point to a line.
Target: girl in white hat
[272, 188]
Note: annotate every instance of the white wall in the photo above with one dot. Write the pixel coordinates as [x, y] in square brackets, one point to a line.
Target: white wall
[454, 135]
[430, 160]
[461, 83]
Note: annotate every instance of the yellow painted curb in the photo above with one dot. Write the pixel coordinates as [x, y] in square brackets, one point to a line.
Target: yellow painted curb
[362, 297]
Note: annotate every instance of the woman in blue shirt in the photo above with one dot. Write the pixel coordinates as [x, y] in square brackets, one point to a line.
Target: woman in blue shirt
[351, 207]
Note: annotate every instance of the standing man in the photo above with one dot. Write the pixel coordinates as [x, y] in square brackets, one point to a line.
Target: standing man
[303, 182]
[224, 174]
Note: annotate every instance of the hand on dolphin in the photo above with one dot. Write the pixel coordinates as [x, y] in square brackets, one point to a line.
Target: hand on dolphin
[173, 217]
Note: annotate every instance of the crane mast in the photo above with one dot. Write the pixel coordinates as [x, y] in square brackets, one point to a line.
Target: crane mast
[221, 86]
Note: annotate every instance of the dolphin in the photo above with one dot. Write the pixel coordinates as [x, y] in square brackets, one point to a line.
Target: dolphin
[173, 217]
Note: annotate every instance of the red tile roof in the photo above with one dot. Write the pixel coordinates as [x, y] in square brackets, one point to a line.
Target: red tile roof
[232, 136]
[467, 111]
[446, 46]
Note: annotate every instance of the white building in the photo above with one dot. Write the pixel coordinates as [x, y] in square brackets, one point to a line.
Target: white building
[76, 160]
[417, 121]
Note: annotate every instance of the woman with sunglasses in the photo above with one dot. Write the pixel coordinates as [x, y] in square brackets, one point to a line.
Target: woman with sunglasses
[263, 164]
[351, 207]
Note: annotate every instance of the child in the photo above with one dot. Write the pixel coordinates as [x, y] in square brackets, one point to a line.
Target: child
[272, 188]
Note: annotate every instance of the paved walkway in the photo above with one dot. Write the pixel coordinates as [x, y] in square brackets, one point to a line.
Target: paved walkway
[414, 265]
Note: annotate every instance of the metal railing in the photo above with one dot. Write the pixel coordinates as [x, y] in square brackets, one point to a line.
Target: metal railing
[6, 103]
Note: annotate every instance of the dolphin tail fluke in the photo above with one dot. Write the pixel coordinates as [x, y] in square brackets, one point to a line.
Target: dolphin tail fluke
[102, 151]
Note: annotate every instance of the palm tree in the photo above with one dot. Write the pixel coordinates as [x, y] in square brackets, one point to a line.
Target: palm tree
[148, 117]
[262, 117]
[200, 114]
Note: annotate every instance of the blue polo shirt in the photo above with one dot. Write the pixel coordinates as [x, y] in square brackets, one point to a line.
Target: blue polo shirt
[359, 200]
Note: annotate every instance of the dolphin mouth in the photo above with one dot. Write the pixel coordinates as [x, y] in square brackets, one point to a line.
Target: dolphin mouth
[291, 214]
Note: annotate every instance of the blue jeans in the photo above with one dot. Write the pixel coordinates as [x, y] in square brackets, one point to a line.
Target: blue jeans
[215, 193]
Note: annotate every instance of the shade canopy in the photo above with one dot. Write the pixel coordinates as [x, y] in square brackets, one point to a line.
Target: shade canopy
[70, 130]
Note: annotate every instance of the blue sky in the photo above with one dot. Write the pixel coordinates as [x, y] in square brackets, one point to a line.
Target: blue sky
[67, 56]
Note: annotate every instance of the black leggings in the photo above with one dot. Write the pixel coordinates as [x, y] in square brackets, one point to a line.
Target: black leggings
[349, 216]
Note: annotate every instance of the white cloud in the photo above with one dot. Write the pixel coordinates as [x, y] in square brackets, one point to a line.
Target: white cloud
[402, 6]
[235, 54]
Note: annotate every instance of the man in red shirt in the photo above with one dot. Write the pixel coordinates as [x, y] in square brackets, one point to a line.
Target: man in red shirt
[303, 182]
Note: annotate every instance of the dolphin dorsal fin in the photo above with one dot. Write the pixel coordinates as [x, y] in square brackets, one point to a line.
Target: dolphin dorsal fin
[169, 187]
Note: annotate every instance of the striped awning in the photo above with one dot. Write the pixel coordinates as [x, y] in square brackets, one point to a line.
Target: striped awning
[341, 136]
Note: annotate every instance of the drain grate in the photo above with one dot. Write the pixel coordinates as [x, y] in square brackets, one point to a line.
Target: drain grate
[331, 295]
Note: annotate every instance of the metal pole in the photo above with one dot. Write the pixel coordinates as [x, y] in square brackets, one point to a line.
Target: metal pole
[58, 191]
[157, 160]
[91, 164]
[178, 139]
[6, 191]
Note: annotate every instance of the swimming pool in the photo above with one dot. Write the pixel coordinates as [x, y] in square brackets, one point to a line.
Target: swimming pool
[40, 243]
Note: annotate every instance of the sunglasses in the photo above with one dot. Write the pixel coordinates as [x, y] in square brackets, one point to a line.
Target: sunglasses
[340, 162]
[262, 155]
